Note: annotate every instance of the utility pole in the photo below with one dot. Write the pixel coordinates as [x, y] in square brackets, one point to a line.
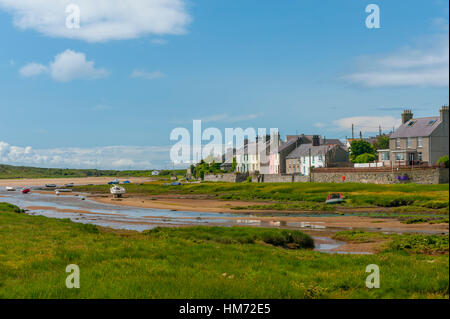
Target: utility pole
[309, 151]
[360, 135]
[379, 129]
[353, 131]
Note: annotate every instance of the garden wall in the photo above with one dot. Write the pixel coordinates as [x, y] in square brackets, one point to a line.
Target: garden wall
[419, 176]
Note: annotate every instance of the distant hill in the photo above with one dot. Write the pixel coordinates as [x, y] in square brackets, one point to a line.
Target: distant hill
[9, 172]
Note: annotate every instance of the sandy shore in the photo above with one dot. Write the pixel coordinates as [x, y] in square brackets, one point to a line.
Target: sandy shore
[62, 181]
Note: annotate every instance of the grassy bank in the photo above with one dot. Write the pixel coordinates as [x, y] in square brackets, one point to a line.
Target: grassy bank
[417, 243]
[200, 262]
[12, 172]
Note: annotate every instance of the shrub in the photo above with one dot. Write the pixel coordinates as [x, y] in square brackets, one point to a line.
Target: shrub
[365, 158]
[444, 160]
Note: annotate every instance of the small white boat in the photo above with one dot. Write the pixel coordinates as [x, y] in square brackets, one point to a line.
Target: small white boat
[117, 191]
[10, 188]
[63, 190]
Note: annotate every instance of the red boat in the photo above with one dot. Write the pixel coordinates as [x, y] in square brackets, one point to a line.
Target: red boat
[25, 190]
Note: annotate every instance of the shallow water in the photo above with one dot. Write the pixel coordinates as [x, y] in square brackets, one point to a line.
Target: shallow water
[82, 210]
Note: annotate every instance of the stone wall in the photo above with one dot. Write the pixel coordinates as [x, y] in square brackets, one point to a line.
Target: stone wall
[425, 176]
[228, 177]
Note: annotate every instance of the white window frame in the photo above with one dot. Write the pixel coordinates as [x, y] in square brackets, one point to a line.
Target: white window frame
[419, 141]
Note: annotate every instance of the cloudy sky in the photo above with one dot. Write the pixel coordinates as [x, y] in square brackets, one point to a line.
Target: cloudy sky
[108, 94]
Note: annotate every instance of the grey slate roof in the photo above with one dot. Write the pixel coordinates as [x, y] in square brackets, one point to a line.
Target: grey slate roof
[290, 142]
[303, 150]
[421, 127]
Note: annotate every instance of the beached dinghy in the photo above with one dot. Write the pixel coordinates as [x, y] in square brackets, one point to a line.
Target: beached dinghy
[26, 190]
[10, 188]
[117, 190]
[62, 190]
[334, 198]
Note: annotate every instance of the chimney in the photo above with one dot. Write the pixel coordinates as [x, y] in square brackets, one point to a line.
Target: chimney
[406, 116]
[315, 140]
[444, 113]
[245, 141]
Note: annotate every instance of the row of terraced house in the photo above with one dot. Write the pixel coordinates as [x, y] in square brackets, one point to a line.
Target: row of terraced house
[418, 141]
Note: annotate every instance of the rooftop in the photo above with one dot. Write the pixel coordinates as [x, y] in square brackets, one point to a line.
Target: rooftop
[417, 127]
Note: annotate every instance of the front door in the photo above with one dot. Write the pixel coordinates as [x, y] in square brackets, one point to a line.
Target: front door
[411, 158]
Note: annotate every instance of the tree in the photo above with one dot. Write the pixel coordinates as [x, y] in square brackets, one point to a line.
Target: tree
[359, 147]
[234, 165]
[444, 160]
[382, 142]
[365, 158]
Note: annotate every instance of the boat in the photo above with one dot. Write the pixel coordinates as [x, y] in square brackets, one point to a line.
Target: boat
[69, 185]
[10, 188]
[117, 190]
[125, 182]
[114, 181]
[63, 190]
[26, 190]
[334, 198]
[50, 185]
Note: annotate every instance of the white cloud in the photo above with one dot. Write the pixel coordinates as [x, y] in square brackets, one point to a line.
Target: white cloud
[32, 69]
[142, 74]
[107, 157]
[66, 66]
[367, 124]
[101, 20]
[70, 65]
[427, 65]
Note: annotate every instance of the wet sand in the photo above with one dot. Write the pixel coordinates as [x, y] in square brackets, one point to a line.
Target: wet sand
[189, 203]
[63, 181]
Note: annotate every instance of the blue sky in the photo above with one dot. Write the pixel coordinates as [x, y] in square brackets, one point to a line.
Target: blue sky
[305, 66]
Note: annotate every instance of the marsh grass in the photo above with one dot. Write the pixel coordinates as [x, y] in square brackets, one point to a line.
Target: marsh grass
[200, 262]
[411, 243]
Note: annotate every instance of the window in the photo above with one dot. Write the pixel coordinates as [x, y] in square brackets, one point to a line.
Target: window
[419, 141]
[411, 123]
[431, 122]
[397, 143]
[320, 158]
[400, 156]
[409, 142]
[385, 156]
[419, 156]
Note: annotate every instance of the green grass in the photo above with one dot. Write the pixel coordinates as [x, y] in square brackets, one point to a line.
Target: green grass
[12, 172]
[201, 262]
[412, 243]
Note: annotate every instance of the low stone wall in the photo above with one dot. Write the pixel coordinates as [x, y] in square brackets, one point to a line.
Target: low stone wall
[424, 176]
[228, 177]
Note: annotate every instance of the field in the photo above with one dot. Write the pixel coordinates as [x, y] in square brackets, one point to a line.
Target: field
[206, 262]
[10, 172]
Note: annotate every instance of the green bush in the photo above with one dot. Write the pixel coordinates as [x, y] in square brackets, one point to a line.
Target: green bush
[365, 158]
[444, 160]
